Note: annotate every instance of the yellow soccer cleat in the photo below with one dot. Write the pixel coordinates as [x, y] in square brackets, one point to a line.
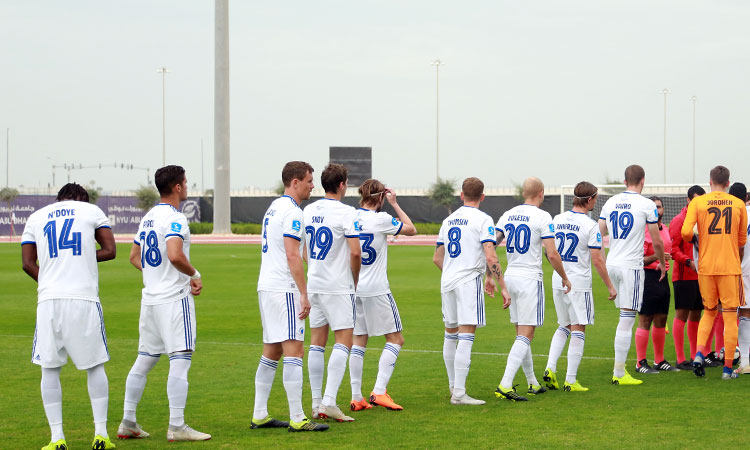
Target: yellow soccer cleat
[550, 379]
[574, 387]
[625, 380]
[102, 443]
[59, 445]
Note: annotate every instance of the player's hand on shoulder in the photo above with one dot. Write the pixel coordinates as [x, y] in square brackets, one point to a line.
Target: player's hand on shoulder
[506, 298]
[196, 286]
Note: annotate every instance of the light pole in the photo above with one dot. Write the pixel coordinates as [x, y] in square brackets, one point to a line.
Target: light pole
[7, 157]
[163, 71]
[665, 91]
[203, 189]
[437, 63]
[693, 99]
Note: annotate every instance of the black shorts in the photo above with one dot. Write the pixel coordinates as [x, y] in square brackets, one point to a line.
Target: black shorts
[656, 294]
[687, 295]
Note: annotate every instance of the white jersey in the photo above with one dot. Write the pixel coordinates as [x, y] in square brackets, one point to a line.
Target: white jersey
[63, 233]
[524, 227]
[464, 233]
[374, 227]
[575, 235]
[328, 223]
[746, 258]
[162, 282]
[626, 215]
[282, 219]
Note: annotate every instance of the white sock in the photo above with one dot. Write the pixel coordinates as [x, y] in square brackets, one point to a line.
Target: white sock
[556, 347]
[52, 400]
[136, 383]
[575, 353]
[462, 363]
[528, 368]
[449, 355]
[385, 367]
[293, 387]
[623, 336]
[263, 382]
[515, 358]
[743, 340]
[177, 386]
[99, 394]
[315, 366]
[356, 361]
[336, 369]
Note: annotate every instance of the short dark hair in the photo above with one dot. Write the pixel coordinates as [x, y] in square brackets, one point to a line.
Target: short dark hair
[655, 199]
[295, 170]
[473, 188]
[167, 177]
[720, 175]
[72, 191]
[739, 190]
[634, 174]
[333, 175]
[583, 192]
[694, 191]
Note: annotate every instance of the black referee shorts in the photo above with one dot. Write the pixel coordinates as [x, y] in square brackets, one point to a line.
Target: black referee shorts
[656, 294]
[687, 295]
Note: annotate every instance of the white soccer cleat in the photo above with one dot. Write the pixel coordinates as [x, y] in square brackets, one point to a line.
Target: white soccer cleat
[130, 430]
[333, 412]
[465, 400]
[185, 433]
[315, 412]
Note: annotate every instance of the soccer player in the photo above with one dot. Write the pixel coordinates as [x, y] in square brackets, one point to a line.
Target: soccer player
[687, 296]
[527, 229]
[282, 297]
[465, 250]
[655, 306]
[69, 321]
[333, 263]
[739, 190]
[161, 250]
[579, 243]
[625, 217]
[377, 313]
[722, 233]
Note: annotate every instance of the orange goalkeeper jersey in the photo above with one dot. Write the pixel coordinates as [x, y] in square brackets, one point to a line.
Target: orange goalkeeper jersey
[722, 230]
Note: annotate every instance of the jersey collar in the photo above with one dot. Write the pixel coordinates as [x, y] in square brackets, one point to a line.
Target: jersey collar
[290, 198]
[167, 204]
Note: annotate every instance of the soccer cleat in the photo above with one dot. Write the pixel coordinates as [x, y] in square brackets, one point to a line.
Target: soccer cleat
[315, 412]
[509, 394]
[643, 367]
[711, 360]
[130, 430]
[535, 389]
[465, 400]
[685, 365]
[386, 401]
[728, 374]
[575, 387]
[268, 422]
[550, 379]
[333, 412]
[306, 425]
[59, 445]
[743, 370]
[625, 380]
[102, 443]
[698, 368]
[185, 433]
[359, 405]
[666, 367]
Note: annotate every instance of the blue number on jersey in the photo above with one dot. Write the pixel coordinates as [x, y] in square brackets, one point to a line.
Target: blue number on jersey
[264, 248]
[150, 253]
[519, 238]
[454, 242]
[65, 241]
[322, 239]
[368, 253]
[567, 256]
[624, 221]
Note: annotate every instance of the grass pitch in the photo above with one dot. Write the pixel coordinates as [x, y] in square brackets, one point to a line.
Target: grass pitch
[674, 410]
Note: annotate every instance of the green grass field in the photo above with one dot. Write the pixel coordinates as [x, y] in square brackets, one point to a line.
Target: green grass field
[674, 410]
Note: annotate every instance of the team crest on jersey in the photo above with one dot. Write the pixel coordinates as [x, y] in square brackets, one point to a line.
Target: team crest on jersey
[296, 225]
[301, 330]
[176, 227]
[598, 237]
[394, 222]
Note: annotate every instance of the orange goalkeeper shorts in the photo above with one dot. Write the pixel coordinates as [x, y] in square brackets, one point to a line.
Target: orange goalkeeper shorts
[725, 288]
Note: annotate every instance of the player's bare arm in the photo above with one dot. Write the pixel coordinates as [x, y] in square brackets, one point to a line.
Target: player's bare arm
[28, 258]
[554, 258]
[408, 228]
[180, 262]
[658, 244]
[597, 258]
[355, 258]
[437, 258]
[106, 240]
[294, 259]
[135, 257]
[603, 232]
[495, 273]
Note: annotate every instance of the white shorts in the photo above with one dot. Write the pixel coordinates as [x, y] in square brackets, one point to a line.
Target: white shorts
[279, 314]
[464, 305]
[335, 310]
[68, 327]
[574, 308]
[746, 288]
[629, 286]
[376, 315]
[167, 328]
[526, 300]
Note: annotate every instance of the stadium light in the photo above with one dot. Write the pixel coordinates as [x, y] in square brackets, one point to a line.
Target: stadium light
[163, 71]
[437, 63]
[665, 91]
[693, 99]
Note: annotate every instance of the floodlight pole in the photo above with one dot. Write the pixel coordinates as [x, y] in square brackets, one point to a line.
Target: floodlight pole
[163, 71]
[693, 99]
[7, 157]
[222, 213]
[665, 91]
[437, 63]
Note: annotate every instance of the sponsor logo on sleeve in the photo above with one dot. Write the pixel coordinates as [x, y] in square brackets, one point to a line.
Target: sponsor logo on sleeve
[551, 228]
[296, 225]
[598, 237]
[491, 231]
[394, 222]
[357, 226]
[176, 227]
